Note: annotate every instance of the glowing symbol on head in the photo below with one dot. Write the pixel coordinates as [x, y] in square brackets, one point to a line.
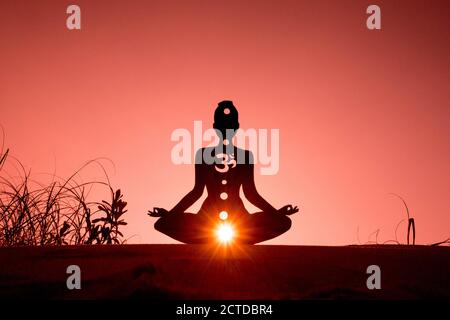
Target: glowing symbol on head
[227, 160]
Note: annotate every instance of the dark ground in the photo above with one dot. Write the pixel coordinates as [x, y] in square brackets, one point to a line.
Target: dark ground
[248, 272]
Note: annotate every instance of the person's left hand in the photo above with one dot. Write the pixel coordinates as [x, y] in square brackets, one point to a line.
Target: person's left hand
[288, 210]
[157, 212]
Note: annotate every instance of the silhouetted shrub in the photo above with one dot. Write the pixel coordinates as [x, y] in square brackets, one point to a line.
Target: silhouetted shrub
[32, 214]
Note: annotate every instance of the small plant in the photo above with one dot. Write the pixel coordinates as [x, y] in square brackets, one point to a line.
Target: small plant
[105, 230]
[411, 223]
[411, 232]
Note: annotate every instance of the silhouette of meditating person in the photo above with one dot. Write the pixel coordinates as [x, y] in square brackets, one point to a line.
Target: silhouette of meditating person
[223, 169]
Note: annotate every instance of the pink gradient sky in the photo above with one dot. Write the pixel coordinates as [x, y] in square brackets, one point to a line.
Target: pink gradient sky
[361, 113]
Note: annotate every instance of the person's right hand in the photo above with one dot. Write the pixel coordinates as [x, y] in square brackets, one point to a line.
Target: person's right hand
[288, 210]
[157, 212]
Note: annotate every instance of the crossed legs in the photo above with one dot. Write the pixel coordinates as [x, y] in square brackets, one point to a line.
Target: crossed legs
[199, 228]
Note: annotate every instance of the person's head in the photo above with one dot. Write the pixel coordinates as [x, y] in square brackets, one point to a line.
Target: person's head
[226, 119]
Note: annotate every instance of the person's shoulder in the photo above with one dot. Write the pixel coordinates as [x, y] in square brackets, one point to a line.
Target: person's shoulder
[202, 153]
[245, 151]
[204, 150]
[247, 155]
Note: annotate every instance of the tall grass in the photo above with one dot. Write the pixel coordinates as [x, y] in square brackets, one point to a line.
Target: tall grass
[58, 213]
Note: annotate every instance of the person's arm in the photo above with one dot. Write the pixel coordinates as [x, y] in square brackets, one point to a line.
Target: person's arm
[249, 188]
[197, 191]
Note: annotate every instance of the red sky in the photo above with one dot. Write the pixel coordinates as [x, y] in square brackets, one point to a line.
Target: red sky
[361, 113]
